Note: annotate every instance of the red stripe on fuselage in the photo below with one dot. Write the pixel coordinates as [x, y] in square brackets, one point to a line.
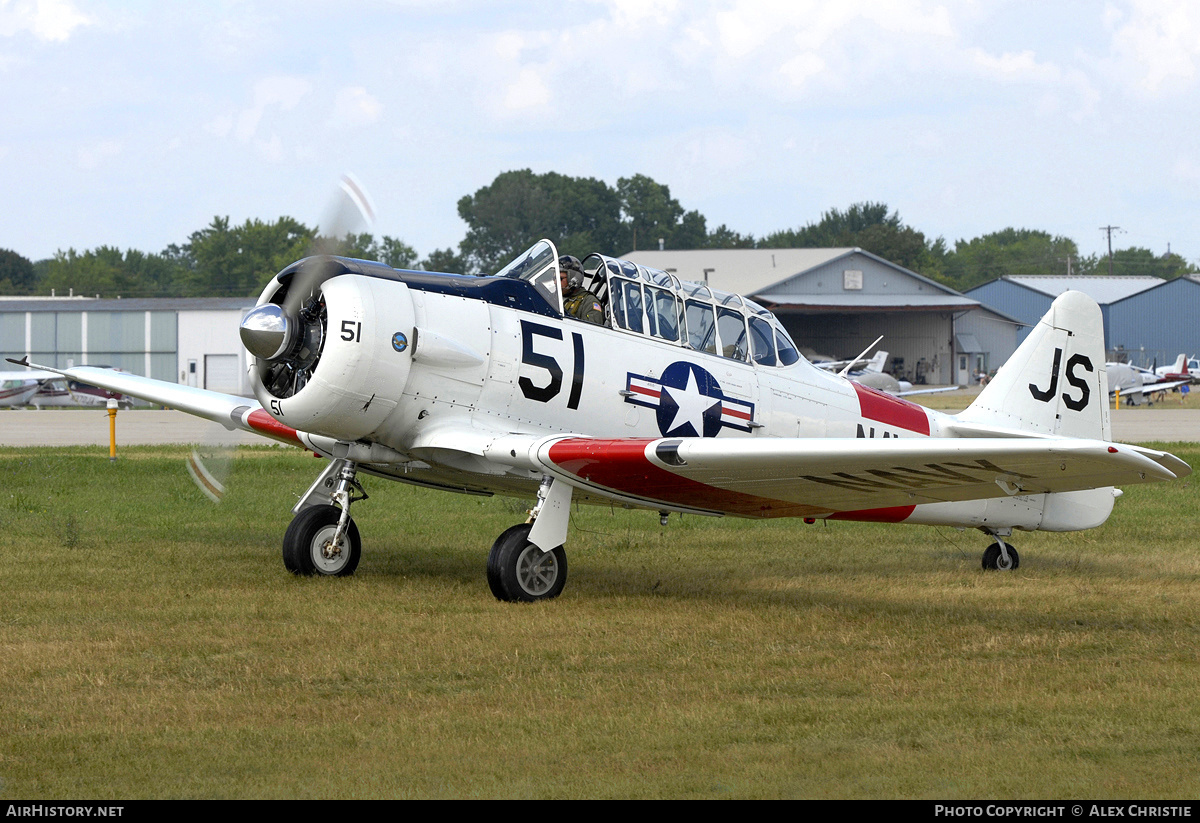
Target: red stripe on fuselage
[622, 466]
[260, 421]
[893, 411]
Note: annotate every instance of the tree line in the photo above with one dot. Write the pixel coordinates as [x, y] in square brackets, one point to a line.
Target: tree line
[581, 215]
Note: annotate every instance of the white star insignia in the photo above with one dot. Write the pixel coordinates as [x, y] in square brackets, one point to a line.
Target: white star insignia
[692, 405]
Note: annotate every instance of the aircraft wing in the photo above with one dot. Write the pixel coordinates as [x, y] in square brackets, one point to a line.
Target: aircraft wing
[1150, 388]
[782, 477]
[938, 390]
[229, 410]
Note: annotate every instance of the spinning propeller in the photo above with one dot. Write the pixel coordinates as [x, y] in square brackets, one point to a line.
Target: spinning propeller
[286, 336]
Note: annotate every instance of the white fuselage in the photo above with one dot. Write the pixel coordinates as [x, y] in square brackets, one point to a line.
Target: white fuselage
[468, 363]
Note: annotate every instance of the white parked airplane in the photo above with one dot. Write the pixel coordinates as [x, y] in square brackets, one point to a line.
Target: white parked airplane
[870, 373]
[43, 387]
[1184, 368]
[687, 400]
[17, 388]
[1134, 383]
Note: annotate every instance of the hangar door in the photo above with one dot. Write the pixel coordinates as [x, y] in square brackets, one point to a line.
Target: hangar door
[221, 373]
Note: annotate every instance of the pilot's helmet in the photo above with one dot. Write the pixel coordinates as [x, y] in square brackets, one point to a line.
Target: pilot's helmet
[571, 265]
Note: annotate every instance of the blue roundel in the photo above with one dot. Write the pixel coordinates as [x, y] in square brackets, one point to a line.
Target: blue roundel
[690, 405]
[399, 341]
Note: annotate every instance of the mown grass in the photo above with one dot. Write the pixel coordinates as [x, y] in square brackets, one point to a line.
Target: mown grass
[152, 646]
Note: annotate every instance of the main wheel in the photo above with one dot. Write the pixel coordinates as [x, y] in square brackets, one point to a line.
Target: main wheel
[308, 544]
[993, 560]
[519, 571]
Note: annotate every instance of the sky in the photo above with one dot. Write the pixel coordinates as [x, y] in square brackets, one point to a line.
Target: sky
[132, 124]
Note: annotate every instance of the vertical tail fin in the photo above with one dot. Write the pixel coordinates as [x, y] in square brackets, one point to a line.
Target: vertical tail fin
[1056, 382]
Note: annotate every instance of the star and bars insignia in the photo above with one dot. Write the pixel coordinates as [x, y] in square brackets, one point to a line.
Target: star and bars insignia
[688, 402]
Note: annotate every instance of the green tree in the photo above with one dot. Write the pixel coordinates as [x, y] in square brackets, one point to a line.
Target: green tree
[109, 273]
[388, 250]
[444, 260]
[723, 237]
[16, 273]
[1136, 261]
[870, 227]
[396, 253]
[1009, 251]
[238, 261]
[580, 215]
[651, 213]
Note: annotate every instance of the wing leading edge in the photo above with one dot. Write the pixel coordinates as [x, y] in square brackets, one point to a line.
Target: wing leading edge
[229, 410]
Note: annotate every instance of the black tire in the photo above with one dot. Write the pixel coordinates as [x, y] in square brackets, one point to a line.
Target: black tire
[520, 572]
[306, 543]
[992, 558]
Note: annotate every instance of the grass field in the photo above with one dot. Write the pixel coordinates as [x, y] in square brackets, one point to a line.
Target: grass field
[153, 646]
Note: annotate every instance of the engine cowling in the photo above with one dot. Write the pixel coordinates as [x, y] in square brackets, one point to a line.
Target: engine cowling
[345, 356]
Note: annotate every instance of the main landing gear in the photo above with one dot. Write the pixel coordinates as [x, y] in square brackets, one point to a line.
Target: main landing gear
[322, 539]
[519, 567]
[1000, 556]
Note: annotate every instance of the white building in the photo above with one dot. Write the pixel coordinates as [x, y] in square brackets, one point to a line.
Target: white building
[837, 301]
[188, 340]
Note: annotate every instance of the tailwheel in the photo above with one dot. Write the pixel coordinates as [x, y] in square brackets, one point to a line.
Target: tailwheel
[520, 572]
[312, 544]
[1001, 556]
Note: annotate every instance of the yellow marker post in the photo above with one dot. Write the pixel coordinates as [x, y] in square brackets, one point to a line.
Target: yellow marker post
[112, 428]
[1118, 398]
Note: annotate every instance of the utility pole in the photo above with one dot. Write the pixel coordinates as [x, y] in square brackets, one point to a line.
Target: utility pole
[1109, 230]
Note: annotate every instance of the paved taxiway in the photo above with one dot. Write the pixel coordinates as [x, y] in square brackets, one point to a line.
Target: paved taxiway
[89, 427]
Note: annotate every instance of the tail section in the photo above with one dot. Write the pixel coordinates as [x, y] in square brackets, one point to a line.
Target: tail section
[876, 363]
[1055, 383]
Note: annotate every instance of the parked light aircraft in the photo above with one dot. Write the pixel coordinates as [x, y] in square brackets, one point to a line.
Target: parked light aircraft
[1135, 383]
[41, 387]
[17, 388]
[870, 373]
[1184, 368]
[688, 400]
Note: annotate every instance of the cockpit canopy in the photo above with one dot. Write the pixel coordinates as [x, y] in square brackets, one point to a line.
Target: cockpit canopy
[657, 304]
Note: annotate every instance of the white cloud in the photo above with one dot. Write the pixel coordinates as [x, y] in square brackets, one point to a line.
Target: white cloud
[802, 67]
[355, 106]
[527, 91]
[278, 91]
[632, 14]
[1159, 42]
[50, 20]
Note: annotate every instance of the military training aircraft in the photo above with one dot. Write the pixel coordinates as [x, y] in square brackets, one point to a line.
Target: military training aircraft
[685, 399]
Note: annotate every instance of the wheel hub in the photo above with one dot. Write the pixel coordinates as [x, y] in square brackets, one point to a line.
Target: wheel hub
[327, 554]
[536, 570]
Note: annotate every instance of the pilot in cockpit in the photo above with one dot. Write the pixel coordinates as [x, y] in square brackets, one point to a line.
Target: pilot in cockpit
[578, 302]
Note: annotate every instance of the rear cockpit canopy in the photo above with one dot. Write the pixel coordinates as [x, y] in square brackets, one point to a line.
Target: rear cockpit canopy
[657, 304]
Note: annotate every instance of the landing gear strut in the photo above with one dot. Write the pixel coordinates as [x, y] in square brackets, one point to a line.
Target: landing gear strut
[1000, 556]
[323, 539]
